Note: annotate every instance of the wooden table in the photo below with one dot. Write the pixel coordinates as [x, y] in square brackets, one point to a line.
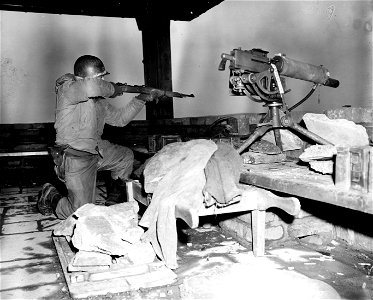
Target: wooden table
[253, 199]
[298, 180]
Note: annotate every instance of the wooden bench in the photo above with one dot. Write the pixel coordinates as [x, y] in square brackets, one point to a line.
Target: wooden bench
[22, 155]
[253, 199]
[298, 180]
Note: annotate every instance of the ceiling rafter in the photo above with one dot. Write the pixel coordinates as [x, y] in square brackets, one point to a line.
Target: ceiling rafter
[176, 10]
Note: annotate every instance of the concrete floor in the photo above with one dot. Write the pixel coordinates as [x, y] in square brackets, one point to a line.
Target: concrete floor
[212, 265]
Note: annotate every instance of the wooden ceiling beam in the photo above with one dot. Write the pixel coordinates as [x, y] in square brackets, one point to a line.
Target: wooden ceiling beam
[177, 11]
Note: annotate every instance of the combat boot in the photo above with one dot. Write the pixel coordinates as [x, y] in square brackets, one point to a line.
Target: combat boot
[48, 199]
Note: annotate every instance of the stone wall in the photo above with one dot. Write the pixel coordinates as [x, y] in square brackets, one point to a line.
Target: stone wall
[318, 223]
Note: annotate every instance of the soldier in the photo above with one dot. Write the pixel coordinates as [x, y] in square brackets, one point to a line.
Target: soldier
[82, 110]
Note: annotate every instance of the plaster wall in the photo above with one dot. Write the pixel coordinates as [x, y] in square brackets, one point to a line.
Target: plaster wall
[336, 34]
[37, 48]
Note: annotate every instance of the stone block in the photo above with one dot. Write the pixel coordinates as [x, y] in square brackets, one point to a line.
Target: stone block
[244, 230]
[229, 225]
[308, 226]
[340, 132]
[276, 220]
[241, 229]
[238, 228]
[322, 166]
[274, 233]
[248, 235]
[271, 217]
[316, 152]
[358, 240]
[245, 218]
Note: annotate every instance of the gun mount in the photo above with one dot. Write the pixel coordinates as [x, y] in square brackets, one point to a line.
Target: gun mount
[262, 79]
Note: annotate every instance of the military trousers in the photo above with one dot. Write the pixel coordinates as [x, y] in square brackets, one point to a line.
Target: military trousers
[80, 174]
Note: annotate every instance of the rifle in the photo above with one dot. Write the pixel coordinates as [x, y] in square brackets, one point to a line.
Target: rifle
[142, 89]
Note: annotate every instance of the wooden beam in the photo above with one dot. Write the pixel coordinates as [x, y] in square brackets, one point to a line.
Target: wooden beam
[157, 63]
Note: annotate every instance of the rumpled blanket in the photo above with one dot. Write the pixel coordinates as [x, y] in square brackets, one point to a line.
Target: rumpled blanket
[174, 175]
[186, 174]
[222, 176]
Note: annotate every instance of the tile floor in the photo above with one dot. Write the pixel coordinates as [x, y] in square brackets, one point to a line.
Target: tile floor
[212, 264]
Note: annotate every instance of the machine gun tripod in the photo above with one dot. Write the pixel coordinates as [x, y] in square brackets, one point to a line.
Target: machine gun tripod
[253, 74]
[276, 123]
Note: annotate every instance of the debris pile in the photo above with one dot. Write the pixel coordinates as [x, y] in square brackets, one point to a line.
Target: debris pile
[263, 152]
[320, 158]
[339, 132]
[105, 235]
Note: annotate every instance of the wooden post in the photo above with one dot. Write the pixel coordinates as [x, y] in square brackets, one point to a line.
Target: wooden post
[157, 63]
[258, 221]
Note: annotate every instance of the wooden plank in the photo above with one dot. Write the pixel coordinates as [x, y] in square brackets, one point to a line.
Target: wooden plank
[25, 153]
[244, 205]
[258, 219]
[66, 255]
[118, 279]
[300, 181]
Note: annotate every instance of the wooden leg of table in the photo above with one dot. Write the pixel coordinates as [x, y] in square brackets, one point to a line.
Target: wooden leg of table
[258, 231]
[129, 191]
[188, 215]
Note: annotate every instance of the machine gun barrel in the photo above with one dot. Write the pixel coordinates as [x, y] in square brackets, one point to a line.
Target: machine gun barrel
[141, 89]
[304, 71]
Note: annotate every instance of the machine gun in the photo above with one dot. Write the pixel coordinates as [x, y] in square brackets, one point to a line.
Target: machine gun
[141, 89]
[260, 78]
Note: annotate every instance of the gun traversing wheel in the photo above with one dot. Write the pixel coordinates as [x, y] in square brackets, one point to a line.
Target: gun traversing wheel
[261, 79]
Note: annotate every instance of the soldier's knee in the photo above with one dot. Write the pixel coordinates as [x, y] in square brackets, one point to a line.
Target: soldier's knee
[130, 155]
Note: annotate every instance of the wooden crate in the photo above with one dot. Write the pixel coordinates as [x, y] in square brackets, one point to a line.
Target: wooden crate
[113, 280]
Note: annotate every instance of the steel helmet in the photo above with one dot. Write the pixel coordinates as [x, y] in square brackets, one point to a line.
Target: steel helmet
[89, 66]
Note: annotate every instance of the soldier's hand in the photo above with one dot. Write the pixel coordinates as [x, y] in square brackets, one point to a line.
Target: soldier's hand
[117, 90]
[154, 95]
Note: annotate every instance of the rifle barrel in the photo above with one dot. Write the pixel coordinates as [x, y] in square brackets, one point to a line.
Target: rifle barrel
[126, 88]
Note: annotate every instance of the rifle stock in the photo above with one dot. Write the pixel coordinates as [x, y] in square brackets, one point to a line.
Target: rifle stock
[141, 89]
